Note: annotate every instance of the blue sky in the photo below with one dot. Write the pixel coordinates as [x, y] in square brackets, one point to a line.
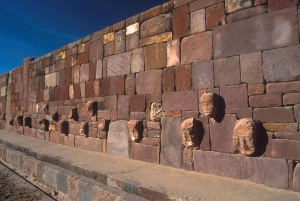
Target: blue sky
[33, 28]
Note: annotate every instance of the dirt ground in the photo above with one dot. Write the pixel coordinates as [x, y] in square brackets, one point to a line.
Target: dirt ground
[15, 188]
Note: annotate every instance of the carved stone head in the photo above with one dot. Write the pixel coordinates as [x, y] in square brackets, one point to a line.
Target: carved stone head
[135, 128]
[244, 136]
[44, 124]
[156, 111]
[84, 129]
[92, 107]
[190, 133]
[209, 104]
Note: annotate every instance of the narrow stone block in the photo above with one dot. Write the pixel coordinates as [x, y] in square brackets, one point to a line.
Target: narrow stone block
[181, 21]
[120, 42]
[137, 61]
[203, 75]
[246, 14]
[198, 21]
[183, 77]
[173, 53]
[215, 16]
[271, 100]
[169, 79]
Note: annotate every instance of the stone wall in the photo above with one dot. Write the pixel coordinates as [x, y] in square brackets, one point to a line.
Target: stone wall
[135, 82]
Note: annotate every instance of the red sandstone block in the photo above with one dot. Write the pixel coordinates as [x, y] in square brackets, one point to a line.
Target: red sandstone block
[246, 14]
[112, 85]
[64, 93]
[130, 84]
[281, 4]
[149, 82]
[137, 103]
[270, 100]
[183, 100]
[287, 87]
[96, 50]
[120, 85]
[96, 36]
[200, 43]
[60, 65]
[156, 25]
[123, 107]
[91, 144]
[144, 152]
[39, 96]
[76, 74]
[132, 20]
[155, 56]
[275, 114]
[291, 99]
[235, 96]
[105, 87]
[120, 39]
[150, 13]
[183, 78]
[215, 16]
[119, 26]
[178, 3]
[83, 58]
[109, 49]
[199, 4]
[260, 2]
[227, 71]
[280, 148]
[92, 70]
[71, 61]
[57, 138]
[89, 89]
[68, 75]
[132, 41]
[111, 103]
[181, 21]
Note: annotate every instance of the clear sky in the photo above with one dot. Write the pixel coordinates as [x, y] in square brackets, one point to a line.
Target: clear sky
[33, 28]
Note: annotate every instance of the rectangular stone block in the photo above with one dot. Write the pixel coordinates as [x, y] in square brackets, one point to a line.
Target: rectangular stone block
[253, 37]
[123, 107]
[291, 99]
[281, 148]
[227, 71]
[181, 21]
[137, 60]
[296, 180]
[198, 21]
[183, 77]
[118, 64]
[84, 72]
[171, 147]
[89, 143]
[235, 96]
[132, 41]
[271, 100]
[275, 114]
[281, 127]
[203, 75]
[281, 4]
[256, 89]
[282, 88]
[146, 153]
[183, 100]
[287, 135]
[156, 25]
[137, 103]
[149, 82]
[130, 84]
[256, 169]
[120, 85]
[155, 56]
[190, 45]
[120, 42]
[173, 53]
[50, 80]
[164, 37]
[251, 68]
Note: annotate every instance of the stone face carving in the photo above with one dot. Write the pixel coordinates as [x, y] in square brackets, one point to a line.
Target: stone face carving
[2, 117]
[73, 114]
[244, 136]
[63, 127]
[190, 129]
[209, 104]
[19, 120]
[135, 130]
[156, 112]
[92, 107]
[54, 116]
[44, 125]
[84, 129]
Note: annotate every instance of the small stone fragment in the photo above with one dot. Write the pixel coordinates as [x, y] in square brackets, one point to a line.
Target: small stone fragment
[135, 130]
[190, 133]
[209, 104]
[244, 136]
[156, 112]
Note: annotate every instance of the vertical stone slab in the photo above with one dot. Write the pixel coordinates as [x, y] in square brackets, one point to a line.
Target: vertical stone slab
[8, 100]
[25, 78]
[118, 139]
[171, 147]
[296, 180]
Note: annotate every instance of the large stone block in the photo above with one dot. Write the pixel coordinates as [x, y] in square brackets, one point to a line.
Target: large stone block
[235, 96]
[281, 64]
[181, 21]
[251, 68]
[282, 88]
[118, 139]
[123, 107]
[183, 77]
[120, 42]
[118, 64]
[169, 79]
[227, 71]
[149, 82]
[269, 100]
[96, 50]
[90, 143]
[198, 21]
[258, 33]
[221, 134]
[274, 114]
[171, 147]
[144, 152]
[215, 16]
[183, 100]
[156, 25]
[260, 170]
[155, 56]
[50, 80]
[84, 72]
[203, 75]
[196, 48]
[246, 14]
[137, 60]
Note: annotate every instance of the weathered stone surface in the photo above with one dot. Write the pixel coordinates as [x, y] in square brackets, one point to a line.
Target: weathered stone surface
[281, 64]
[150, 13]
[164, 37]
[118, 64]
[50, 80]
[96, 50]
[246, 14]
[198, 21]
[297, 112]
[3, 91]
[156, 25]
[281, 4]
[190, 133]
[274, 114]
[282, 88]
[245, 135]
[149, 82]
[296, 180]
[92, 107]
[183, 100]
[120, 42]
[169, 79]
[153, 126]
[215, 16]
[281, 127]
[91, 144]
[144, 152]
[130, 84]
[123, 107]
[190, 45]
[281, 148]
[132, 28]
[253, 37]
[132, 41]
[287, 135]
[118, 139]
[183, 77]
[235, 5]
[209, 105]
[76, 74]
[181, 21]
[108, 38]
[171, 147]
[151, 141]
[99, 69]
[227, 71]
[221, 134]
[135, 130]
[173, 53]
[235, 96]
[260, 170]
[84, 72]
[251, 68]
[203, 75]
[137, 103]
[138, 115]
[260, 2]
[120, 85]
[270, 100]
[109, 49]
[155, 56]
[156, 111]
[137, 60]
